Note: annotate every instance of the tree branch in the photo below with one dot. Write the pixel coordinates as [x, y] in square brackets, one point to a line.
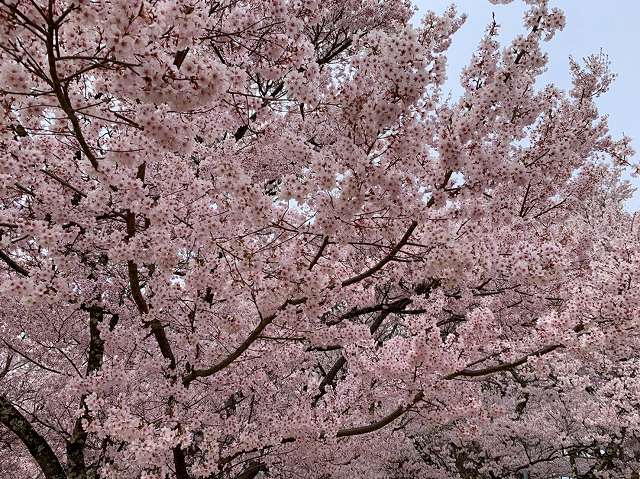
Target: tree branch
[76, 465]
[472, 373]
[334, 52]
[394, 307]
[329, 378]
[201, 373]
[63, 182]
[252, 471]
[388, 419]
[380, 264]
[13, 265]
[34, 442]
[318, 255]
[7, 366]
[253, 336]
[61, 94]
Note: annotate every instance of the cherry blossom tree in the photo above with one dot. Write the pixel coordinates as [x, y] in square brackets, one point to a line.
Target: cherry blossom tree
[248, 238]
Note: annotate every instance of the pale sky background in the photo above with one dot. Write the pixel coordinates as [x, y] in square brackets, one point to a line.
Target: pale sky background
[592, 25]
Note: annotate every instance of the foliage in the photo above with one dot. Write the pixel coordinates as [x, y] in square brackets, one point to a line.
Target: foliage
[249, 237]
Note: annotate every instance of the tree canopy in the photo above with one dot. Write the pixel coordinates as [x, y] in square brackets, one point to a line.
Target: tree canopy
[251, 238]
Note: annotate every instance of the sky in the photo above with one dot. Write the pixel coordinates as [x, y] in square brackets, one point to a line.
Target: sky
[592, 26]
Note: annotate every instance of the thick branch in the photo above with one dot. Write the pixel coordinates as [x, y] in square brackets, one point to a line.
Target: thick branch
[252, 471]
[242, 130]
[34, 442]
[388, 419]
[253, 336]
[396, 306]
[96, 343]
[380, 264]
[329, 378]
[7, 366]
[136, 290]
[200, 373]
[472, 373]
[61, 93]
[76, 465]
[180, 56]
[13, 265]
[180, 463]
[163, 343]
[318, 255]
[335, 51]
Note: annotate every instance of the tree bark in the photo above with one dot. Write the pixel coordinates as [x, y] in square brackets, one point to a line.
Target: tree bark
[34, 442]
[76, 466]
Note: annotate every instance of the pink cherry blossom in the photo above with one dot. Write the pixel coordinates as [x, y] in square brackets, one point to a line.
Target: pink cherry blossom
[254, 239]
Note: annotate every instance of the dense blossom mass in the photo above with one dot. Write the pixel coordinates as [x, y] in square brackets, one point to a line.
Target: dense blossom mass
[252, 238]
